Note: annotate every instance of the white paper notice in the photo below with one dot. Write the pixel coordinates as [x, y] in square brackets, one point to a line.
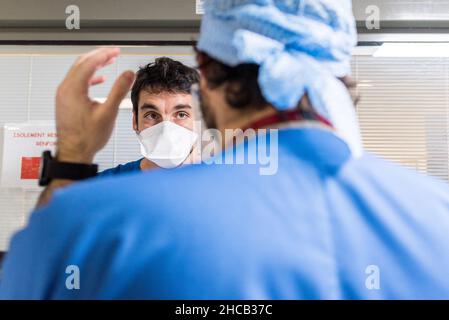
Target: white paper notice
[199, 6]
[23, 145]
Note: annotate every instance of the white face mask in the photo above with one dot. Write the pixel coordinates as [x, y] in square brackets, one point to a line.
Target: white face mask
[166, 144]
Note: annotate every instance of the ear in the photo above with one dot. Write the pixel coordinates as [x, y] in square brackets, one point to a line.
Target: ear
[135, 126]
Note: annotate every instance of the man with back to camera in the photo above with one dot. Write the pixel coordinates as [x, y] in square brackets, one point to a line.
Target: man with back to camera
[162, 110]
[334, 222]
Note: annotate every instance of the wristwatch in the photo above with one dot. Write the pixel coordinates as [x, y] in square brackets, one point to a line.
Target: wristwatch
[51, 168]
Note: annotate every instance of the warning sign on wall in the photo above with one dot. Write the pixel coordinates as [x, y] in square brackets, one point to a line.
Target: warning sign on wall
[23, 145]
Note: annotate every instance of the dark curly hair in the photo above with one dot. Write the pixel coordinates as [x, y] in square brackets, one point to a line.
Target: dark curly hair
[241, 89]
[163, 75]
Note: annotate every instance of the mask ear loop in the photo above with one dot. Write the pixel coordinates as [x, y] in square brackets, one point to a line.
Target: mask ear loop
[304, 112]
[307, 112]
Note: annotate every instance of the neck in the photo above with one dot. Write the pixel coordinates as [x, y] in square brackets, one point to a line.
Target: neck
[146, 164]
[241, 120]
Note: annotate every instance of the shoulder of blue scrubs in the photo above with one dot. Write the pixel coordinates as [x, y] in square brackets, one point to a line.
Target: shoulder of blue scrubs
[323, 226]
[132, 166]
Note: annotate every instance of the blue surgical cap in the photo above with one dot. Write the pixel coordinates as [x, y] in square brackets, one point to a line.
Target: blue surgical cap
[301, 46]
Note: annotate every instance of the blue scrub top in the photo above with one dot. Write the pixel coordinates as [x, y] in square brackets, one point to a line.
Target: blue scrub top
[133, 166]
[326, 226]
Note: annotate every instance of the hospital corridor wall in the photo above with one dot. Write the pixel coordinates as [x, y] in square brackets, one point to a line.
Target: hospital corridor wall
[403, 110]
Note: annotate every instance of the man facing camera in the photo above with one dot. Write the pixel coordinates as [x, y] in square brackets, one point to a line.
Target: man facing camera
[162, 116]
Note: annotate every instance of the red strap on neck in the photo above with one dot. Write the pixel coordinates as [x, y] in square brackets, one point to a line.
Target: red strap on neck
[288, 116]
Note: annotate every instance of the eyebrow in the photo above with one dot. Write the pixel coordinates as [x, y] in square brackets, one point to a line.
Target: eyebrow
[153, 107]
[182, 106]
[149, 107]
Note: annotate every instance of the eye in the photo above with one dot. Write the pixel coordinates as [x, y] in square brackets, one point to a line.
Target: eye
[182, 115]
[152, 116]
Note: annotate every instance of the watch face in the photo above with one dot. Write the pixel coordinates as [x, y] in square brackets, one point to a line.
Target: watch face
[43, 175]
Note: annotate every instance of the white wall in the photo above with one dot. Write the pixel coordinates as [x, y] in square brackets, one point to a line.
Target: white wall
[404, 110]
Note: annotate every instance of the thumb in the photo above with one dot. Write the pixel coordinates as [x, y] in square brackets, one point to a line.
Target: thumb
[119, 91]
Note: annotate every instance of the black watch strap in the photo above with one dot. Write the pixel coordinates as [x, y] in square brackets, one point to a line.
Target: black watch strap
[53, 169]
